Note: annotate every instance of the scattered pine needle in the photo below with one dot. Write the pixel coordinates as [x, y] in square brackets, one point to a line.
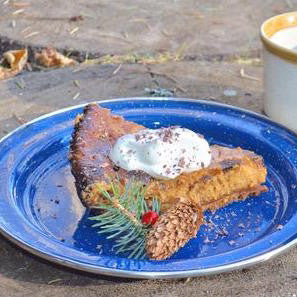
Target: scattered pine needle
[244, 75]
[77, 70]
[180, 88]
[143, 21]
[125, 34]
[188, 279]
[18, 11]
[180, 51]
[20, 4]
[32, 34]
[54, 281]
[19, 119]
[26, 29]
[76, 96]
[29, 67]
[74, 30]
[21, 84]
[165, 33]
[109, 36]
[76, 83]
[195, 15]
[117, 69]
[242, 60]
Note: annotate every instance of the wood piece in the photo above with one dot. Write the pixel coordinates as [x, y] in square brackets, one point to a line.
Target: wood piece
[211, 30]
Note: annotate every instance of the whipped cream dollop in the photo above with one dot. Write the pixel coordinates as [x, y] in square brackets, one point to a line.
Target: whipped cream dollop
[162, 153]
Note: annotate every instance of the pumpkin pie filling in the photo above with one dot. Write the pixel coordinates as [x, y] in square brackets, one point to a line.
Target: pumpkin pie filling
[233, 173]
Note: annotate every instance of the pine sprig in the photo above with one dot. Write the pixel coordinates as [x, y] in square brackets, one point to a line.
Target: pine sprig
[121, 217]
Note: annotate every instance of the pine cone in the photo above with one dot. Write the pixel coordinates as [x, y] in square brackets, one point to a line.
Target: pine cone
[173, 230]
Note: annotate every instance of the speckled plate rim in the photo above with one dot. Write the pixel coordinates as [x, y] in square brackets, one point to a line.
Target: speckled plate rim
[147, 274]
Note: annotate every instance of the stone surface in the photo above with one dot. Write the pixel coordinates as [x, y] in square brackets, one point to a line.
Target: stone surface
[22, 274]
[204, 29]
[34, 93]
[205, 32]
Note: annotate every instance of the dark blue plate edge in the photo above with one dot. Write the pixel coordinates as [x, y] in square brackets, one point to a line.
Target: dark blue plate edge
[151, 275]
[146, 274]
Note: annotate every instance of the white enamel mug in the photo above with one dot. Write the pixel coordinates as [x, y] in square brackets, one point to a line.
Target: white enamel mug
[279, 37]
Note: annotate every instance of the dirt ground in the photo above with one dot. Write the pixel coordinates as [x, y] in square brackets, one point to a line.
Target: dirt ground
[196, 49]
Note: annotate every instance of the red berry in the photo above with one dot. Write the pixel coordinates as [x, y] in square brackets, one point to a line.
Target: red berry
[149, 218]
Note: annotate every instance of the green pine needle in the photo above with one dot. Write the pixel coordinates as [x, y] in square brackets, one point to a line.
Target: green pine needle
[121, 217]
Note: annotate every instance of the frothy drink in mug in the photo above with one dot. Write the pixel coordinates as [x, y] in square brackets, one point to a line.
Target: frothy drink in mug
[279, 37]
[286, 38]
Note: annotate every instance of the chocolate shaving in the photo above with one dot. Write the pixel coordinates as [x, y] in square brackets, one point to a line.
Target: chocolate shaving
[222, 232]
[116, 168]
[167, 135]
[182, 162]
[168, 171]
[206, 178]
[229, 164]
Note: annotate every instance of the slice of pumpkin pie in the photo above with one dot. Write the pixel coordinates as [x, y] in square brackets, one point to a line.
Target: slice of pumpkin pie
[232, 173]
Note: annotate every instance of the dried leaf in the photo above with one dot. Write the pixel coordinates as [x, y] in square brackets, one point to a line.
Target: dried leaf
[16, 60]
[49, 57]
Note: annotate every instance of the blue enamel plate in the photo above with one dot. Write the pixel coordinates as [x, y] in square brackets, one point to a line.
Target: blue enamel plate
[41, 212]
